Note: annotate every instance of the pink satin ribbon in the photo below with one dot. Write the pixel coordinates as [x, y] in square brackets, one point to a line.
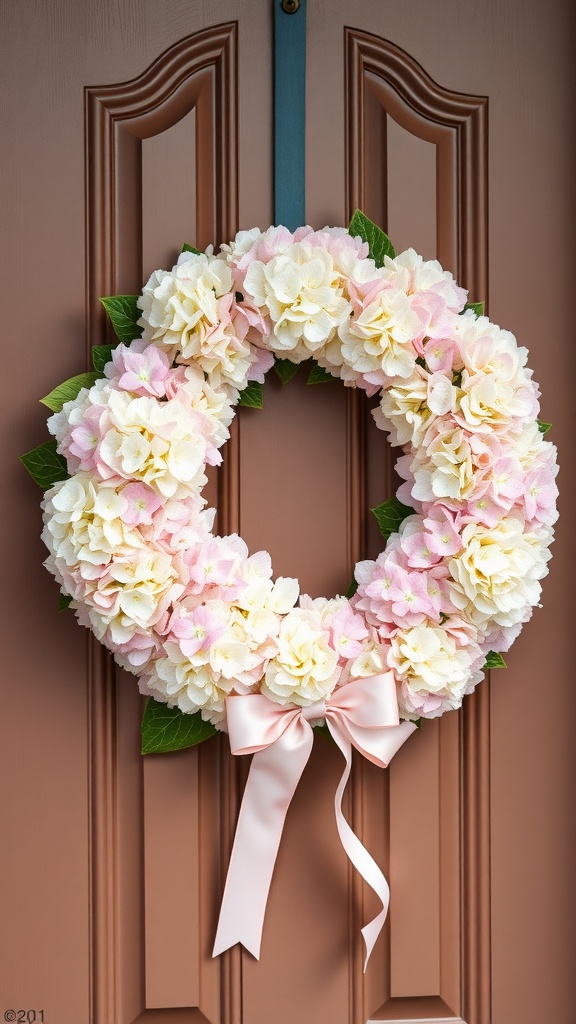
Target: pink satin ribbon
[363, 713]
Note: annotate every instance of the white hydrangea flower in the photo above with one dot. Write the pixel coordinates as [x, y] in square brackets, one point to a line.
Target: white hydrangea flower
[155, 442]
[445, 469]
[305, 669]
[413, 274]
[189, 687]
[496, 575]
[180, 306]
[369, 663]
[212, 402]
[82, 522]
[404, 409]
[301, 292]
[242, 243]
[495, 388]
[378, 341]
[530, 446]
[132, 594]
[262, 603]
[434, 673]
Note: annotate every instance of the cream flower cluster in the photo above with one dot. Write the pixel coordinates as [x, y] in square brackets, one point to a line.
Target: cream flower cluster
[194, 615]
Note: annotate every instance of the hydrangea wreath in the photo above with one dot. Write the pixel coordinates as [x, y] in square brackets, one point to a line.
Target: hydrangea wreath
[193, 615]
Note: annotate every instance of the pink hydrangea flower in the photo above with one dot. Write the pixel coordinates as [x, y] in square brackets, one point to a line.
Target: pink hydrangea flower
[409, 596]
[196, 629]
[214, 568]
[539, 495]
[442, 536]
[347, 630]
[140, 368]
[442, 355]
[143, 502]
[84, 439]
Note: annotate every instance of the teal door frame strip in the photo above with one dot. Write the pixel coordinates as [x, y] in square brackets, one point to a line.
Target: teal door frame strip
[289, 112]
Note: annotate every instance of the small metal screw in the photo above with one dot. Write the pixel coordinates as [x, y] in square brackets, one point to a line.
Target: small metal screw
[290, 6]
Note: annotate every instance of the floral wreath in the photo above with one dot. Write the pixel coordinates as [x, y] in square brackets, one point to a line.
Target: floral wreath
[198, 619]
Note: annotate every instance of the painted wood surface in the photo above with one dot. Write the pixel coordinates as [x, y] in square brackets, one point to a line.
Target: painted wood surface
[129, 129]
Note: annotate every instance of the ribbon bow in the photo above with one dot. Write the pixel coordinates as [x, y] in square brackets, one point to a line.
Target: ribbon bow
[363, 713]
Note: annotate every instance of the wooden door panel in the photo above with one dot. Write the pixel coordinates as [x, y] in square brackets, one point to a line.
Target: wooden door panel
[471, 980]
[416, 153]
[117, 924]
[155, 871]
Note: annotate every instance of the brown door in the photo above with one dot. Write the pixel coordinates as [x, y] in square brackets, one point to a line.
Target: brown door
[128, 129]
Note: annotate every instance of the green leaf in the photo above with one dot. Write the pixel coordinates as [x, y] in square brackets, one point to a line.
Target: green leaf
[165, 729]
[318, 375]
[101, 354]
[124, 314]
[352, 588]
[379, 245]
[324, 731]
[190, 248]
[477, 307]
[64, 602]
[251, 397]
[68, 390]
[285, 369]
[543, 427]
[390, 514]
[238, 296]
[418, 723]
[494, 660]
[45, 465]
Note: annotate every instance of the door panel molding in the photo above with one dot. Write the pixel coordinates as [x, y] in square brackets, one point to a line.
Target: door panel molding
[454, 122]
[128, 974]
[384, 81]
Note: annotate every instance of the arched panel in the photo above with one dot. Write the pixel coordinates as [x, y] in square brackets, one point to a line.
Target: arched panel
[154, 885]
[401, 126]
[383, 79]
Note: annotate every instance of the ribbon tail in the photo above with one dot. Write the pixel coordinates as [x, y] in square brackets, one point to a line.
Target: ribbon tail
[356, 852]
[272, 781]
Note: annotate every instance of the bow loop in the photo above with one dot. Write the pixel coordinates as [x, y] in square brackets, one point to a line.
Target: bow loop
[369, 702]
[365, 711]
[255, 722]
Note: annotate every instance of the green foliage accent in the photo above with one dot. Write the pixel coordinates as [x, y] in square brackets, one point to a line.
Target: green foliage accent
[101, 354]
[238, 296]
[379, 245]
[352, 588]
[124, 314]
[251, 397]
[318, 375]
[285, 369]
[324, 731]
[45, 465]
[64, 602]
[69, 390]
[494, 660]
[418, 723]
[390, 514]
[477, 307]
[164, 729]
[543, 427]
[190, 248]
